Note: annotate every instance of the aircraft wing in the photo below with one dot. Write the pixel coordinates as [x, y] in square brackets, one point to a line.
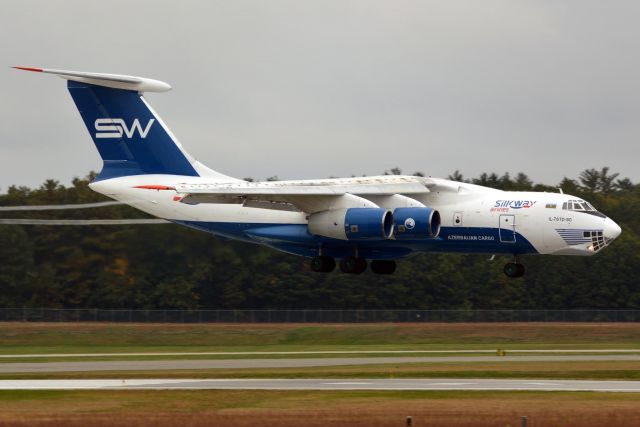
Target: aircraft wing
[308, 196]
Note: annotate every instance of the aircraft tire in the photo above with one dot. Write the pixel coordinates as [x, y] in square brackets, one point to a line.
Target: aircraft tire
[380, 266]
[323, 264]
[514, 269]
[353, 265]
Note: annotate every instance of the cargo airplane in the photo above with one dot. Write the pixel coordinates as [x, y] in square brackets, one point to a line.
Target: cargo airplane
[358, 221]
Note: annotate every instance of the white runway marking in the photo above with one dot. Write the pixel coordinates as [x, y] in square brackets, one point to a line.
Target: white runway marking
[545, 384]
[321, 384]
[348, 383]
[451, 384]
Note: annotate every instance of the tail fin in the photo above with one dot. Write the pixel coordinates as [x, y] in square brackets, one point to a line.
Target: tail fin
[131, 138]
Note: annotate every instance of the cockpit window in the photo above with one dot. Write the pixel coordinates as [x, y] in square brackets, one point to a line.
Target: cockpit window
[578, 205]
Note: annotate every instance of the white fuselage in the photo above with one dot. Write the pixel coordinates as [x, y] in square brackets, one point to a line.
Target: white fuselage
[473, 218]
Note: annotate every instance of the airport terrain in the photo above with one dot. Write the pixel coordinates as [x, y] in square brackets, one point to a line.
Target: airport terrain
[546, 356]
[19, 338]
[315, 408]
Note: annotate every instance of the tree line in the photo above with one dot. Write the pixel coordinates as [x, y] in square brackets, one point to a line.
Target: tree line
[169, 266]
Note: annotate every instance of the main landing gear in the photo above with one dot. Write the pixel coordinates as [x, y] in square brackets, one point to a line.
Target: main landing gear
[352, 265]
[323, 264]
[514, 269]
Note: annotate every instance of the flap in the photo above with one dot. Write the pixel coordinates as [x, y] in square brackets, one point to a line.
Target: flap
[381, 185]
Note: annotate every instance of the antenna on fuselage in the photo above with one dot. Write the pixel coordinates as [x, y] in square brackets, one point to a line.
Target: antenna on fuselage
[560, 189]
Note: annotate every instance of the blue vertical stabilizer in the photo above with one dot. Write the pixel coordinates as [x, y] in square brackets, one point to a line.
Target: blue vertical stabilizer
[130, 137]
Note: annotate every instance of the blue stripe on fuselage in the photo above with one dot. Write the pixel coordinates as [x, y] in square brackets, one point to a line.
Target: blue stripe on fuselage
[296, 239]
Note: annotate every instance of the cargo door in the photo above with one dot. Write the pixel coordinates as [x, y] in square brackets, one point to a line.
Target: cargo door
[507, 228]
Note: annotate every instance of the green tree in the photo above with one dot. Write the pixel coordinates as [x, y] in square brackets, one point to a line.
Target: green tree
[16, 268]
[169, 266]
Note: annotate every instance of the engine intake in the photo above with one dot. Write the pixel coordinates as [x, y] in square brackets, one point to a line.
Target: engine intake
[416, 223]
[353, 224]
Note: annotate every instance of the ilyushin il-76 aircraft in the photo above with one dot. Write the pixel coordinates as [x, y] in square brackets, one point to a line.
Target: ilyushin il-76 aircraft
[358, 221]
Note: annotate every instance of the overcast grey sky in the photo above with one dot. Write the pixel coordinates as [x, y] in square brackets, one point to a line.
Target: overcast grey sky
[312, 89]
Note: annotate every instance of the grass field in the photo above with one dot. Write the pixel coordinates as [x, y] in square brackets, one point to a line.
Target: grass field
[309, 408]
[315, 408]
[44, 338]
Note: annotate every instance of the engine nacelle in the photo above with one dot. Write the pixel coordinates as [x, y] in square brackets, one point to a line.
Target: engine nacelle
[353, 224]
[416, 223]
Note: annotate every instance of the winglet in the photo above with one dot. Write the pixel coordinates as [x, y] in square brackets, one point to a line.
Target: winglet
[116, 81]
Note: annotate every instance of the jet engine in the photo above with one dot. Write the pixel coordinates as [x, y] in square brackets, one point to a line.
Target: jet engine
[353, 224]
[416, 223]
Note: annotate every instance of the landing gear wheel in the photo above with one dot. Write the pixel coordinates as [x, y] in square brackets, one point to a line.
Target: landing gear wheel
[323, 264]
[353, 265]
[514, 269]
[380, 266]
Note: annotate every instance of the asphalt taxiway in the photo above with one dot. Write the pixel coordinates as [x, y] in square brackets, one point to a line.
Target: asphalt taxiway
[159, 365]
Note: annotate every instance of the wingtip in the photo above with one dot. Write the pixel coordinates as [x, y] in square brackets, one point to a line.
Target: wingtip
[36, 70]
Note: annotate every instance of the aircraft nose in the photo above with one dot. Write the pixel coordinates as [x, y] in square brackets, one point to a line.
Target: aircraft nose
[611, 229]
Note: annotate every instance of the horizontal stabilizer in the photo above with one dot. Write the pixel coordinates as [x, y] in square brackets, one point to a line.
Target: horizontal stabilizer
[116, 81]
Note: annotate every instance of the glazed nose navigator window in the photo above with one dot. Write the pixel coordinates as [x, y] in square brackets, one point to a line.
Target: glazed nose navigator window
[578, 205]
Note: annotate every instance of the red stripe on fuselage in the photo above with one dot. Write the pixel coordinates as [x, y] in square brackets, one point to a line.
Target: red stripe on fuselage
[154, 187]
[37, 70]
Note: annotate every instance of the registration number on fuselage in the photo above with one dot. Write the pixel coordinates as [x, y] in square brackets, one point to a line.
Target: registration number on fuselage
[560, 219]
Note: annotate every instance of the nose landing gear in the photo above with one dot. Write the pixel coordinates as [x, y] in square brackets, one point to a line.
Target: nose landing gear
[514, 269]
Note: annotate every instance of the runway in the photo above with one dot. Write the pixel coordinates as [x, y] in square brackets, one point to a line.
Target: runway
[324, 384]
[159, 365]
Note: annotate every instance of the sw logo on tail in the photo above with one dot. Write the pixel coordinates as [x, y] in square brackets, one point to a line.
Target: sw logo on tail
[116, 128]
